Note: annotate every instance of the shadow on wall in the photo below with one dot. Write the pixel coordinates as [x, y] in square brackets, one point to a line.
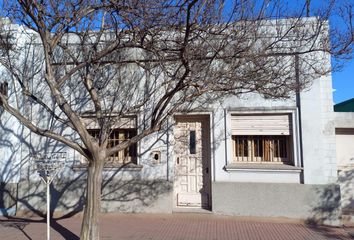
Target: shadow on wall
[7, 201]
[67, 199]
[346, 182]
[326, 206]
[337, 201]
[10, 164]
[21, 201]
[136, 195]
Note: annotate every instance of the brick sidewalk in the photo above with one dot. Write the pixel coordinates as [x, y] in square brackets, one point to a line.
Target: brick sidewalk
[170, 227]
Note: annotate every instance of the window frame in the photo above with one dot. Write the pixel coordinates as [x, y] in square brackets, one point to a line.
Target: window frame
[294, 137]
[130, 152]
[132, 123]
[253, 156]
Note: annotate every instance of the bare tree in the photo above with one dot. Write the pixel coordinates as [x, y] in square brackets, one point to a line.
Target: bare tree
[82, 61]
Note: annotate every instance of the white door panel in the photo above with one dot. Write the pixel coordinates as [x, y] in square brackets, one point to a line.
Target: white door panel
[192, 184]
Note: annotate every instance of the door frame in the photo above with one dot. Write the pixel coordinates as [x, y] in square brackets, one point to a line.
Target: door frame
[205, 118]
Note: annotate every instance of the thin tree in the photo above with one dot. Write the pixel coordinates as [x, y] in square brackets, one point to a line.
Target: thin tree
[106, 60]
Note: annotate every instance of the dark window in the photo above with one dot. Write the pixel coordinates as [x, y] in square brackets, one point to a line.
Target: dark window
[192, 142]
[117, 136]
[4, 88]
[261, 148]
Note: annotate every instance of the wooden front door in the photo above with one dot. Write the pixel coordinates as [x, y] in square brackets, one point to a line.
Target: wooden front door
[192, 162]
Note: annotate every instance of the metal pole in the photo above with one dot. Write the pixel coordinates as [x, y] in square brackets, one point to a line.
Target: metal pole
[48, 209]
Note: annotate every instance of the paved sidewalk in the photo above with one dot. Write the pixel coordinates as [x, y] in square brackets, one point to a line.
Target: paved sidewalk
[171, 227]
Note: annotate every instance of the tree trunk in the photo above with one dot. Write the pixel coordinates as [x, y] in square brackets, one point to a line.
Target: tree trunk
[90, 223]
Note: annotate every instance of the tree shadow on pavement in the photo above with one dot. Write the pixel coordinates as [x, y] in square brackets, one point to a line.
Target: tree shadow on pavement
[331, 232]
[19, 225]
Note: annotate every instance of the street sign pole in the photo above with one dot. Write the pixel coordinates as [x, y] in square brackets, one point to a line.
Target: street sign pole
[48, 166]
[48, 210]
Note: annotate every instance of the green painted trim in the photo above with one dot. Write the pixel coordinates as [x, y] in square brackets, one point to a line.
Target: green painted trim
[346, 106]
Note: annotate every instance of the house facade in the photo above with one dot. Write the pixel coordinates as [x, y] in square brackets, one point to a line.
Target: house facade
[344, 128]
[244, 156]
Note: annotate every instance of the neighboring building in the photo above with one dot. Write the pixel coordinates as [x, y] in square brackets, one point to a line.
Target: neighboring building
[246, 156]
[344, 124]
[346, 106]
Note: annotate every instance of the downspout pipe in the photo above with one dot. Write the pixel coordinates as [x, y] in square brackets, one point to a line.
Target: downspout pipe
[298, 106]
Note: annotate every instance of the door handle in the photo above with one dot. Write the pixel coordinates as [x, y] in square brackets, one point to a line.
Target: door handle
[177, 160]
[207, 170]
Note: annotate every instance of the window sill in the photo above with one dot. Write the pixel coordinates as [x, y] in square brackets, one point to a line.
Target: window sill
[111, 167]
[262, 167]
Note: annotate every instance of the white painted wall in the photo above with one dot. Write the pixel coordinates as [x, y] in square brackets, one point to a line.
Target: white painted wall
[345, 158]
[11, 148]
[222, 143]
[318, 133]
[13, 153]
[344, 123]
[345, 149]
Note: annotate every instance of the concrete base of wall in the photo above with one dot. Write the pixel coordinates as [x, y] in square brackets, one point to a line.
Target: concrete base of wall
[138, 196]
[346, 181]
[67, 197]
[313, 203]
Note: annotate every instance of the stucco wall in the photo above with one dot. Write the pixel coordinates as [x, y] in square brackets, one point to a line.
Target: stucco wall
[314, 203]
[346, 182]
[222, 143]
[144, 188]
[344, 123]
[345, 149]
[150, 189]
[10, 148]
[318, 134]
[8, 199]
[118, 195]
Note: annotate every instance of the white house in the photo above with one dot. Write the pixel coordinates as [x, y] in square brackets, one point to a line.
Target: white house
[246, 156]
[344, 124]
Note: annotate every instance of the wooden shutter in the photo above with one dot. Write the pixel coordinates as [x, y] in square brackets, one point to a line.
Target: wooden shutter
[270, 124]
[124, 122]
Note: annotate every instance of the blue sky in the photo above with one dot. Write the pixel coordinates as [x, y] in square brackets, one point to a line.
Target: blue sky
[343, 83]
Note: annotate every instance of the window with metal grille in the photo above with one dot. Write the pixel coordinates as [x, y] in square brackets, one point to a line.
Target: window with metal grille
[117, 136]
[268, 149]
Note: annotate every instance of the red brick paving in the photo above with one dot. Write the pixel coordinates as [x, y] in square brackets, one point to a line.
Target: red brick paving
[171, 227]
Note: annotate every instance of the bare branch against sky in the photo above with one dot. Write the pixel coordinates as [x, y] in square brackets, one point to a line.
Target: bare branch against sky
[104, 62]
